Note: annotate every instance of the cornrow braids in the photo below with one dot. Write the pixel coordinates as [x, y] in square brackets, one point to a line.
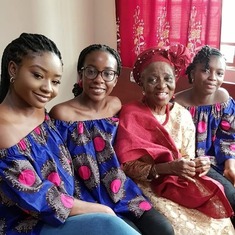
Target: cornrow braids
[77, 90]
[202, 57]
[22, 46]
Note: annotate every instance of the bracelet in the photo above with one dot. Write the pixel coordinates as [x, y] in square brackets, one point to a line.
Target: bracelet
[154, 173]
[156, 176]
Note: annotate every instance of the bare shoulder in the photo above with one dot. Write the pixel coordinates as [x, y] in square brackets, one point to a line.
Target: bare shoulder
[182, 97]
[5, 132]
[8, 136]
[114, 104]
[15, 125]
[62, 111]
[222, 95]
[114, 100]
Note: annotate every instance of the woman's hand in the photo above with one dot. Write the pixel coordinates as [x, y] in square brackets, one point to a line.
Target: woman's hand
[203, 165]
[184, 168]
[229, 170]
[230, 175]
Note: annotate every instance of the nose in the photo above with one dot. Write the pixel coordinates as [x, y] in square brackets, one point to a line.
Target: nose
[99, 77]
[47, 86]
[213, 76]
[161, 83]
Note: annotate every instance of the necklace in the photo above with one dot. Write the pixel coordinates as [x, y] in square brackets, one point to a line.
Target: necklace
[167, 112]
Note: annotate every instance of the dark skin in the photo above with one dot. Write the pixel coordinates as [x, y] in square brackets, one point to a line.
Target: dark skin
[158, 83]
[229, 171]
[206, 90]
[95, 101]
[36, 82]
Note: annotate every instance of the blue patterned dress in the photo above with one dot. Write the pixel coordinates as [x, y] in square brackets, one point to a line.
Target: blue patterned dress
[215, 128]
[98, 175]
[36, 182]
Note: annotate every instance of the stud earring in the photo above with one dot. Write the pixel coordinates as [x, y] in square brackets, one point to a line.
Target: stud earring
[143, 92]
[191, 78]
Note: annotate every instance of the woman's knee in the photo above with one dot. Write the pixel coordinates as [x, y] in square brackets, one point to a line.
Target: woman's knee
[117, 226]
[92, 224]
[153, 222]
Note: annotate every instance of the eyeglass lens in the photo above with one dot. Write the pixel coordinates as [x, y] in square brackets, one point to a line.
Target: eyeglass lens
[92, 73]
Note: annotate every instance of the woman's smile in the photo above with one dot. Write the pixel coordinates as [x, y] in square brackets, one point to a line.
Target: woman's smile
[161, 95]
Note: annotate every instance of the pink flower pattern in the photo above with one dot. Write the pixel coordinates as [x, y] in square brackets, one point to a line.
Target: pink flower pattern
[215, 131]
[38, 179]
[97, 166]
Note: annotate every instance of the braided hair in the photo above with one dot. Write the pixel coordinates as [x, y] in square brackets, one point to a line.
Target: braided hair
[77, 90]
[202, 57]
[22, 46]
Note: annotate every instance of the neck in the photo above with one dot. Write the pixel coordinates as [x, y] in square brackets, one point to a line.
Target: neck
[21, 108]
[198, 99]
[92, 105]
[160, 111]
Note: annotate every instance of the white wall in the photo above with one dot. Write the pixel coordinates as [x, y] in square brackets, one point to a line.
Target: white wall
[71, 24]
[105, 22]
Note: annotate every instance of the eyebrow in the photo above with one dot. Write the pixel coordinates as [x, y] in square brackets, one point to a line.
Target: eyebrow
[105, 68]
[43, 69]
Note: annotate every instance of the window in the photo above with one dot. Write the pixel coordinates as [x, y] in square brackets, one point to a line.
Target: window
[227, 45]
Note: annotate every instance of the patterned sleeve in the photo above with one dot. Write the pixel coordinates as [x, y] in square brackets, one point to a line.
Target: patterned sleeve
[224, 138]
[138, 169]
[62, 127]
[36, 177]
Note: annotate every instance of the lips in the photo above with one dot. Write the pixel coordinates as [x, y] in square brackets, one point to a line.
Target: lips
[98, 89]
[210, 84]
[42, 98]
[162, 95]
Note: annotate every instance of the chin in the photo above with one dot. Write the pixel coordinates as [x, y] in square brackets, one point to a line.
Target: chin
[161, 104]
[40, 106]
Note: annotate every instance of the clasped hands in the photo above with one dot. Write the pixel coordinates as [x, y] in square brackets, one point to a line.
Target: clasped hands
[189, 168]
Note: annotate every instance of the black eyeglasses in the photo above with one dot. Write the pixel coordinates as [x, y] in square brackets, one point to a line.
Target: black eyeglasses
[92, 73]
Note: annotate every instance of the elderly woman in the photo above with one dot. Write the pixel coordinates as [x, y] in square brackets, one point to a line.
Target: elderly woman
[156, 145]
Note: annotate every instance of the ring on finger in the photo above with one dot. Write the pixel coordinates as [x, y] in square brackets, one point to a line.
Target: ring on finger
[204, 163]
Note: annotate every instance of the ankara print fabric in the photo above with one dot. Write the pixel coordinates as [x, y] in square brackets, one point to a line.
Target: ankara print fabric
[36, 182]
[215, 131]
[98, 175]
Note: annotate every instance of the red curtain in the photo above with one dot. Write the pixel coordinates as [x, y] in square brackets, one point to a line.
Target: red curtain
[146, 23]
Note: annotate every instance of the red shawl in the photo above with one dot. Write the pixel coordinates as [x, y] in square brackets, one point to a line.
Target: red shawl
[139, 133]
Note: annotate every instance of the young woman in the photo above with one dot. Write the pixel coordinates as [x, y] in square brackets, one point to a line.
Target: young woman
[36, 175]
[156, 145]
[213, 112]
[89, 130]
